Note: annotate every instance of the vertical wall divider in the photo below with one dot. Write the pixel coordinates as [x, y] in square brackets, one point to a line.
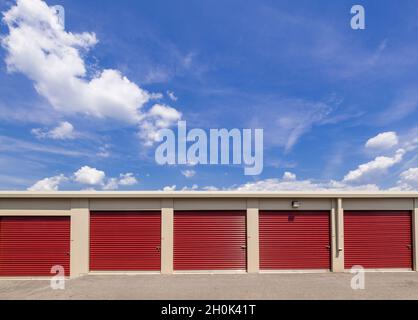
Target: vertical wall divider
[80, 235]
[167, 236]
[253, 248]
[337, 235]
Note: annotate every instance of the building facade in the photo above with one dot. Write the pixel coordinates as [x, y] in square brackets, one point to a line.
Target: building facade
[202, 232]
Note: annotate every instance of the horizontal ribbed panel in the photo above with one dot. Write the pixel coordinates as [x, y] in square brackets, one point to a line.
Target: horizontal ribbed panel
[378, 239]
[294, 240]
[210, 240]
[125, 241]
[31, 246]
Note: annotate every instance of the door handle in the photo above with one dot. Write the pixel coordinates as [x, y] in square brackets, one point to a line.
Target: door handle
[328, 247]
[409, 246]
[158, 248]
[243, 247]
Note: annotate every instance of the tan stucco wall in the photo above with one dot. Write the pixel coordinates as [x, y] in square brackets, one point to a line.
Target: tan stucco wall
[79, 205]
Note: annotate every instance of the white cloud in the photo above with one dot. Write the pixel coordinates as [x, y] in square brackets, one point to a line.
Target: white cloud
[90, 176]
[408, 180]
[172, 96]
[127, 179]
[48, 184]
[159, 117]
[169, 188]
[188, 173]
[410, 175]
[374, 168]
[382, 141]
[38, 46]
[210, 188]
[289, 176]
[63, 131]
[300, 185]
[86, 176]
[111, 184]
[192, 188]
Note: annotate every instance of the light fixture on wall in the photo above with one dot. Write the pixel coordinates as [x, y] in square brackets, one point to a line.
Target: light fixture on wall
[295, 204]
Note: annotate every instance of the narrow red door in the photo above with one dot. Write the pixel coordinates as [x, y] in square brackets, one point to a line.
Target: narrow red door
[31, 246]
[214, 240]
[380, 239]
[294, 240]
[125, 241]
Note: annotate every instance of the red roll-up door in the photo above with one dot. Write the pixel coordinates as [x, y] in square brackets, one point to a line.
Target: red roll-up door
[214, 240]
[31, 246]
[125, 241]
[378, 239]
[294, 240]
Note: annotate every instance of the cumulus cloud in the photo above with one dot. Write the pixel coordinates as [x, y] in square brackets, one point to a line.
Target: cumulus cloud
[410, 175]
[90, 176]
[374, 168]
[38, 46]
[288, 176]
[382, 141]
[170, 188]
[188, 173]
[86, 176]
[408, 180]
[48, 184]
[111, 184]
[127, 179]
[64, 131]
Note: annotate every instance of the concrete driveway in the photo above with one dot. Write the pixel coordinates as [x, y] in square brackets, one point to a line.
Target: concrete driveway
[403, 285]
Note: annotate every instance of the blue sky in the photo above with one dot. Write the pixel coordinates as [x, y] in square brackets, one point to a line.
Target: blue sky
[319, 89]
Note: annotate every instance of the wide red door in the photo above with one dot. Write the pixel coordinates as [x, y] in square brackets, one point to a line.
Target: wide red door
[213, 240]
[125, 241]
[378, 239]
[294, 240]
[31, 246]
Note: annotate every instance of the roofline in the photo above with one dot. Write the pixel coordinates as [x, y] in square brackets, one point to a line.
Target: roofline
[204, 194]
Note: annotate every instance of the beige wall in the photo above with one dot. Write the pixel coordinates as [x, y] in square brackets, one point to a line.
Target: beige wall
[78, 208]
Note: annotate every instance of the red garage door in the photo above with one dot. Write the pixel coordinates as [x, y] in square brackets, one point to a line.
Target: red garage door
[125, 241]
[31, 246]
[378, 239]
[294, 240]
[210, 240]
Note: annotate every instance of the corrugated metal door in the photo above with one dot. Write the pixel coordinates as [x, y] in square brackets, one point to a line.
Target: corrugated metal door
[31, 246]
[294, 240]
[214, 240]
[125, 241]
[378, 239]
